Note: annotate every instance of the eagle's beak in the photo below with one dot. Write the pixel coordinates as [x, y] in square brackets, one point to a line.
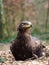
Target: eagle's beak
[27, 26]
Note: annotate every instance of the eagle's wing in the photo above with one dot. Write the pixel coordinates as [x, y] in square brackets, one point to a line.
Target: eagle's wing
[37, 40]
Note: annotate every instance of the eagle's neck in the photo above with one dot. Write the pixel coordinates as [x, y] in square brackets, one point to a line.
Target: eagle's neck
[23, 36]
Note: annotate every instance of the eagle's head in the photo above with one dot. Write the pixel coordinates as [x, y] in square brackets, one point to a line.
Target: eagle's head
[25, 25]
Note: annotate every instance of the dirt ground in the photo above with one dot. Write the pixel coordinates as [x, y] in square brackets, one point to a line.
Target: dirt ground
[4, 47]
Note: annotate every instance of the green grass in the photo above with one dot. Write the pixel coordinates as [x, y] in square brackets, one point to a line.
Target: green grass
[7, 40]
[3, 59]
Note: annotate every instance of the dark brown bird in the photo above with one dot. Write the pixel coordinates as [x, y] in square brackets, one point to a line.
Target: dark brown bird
[25, 46]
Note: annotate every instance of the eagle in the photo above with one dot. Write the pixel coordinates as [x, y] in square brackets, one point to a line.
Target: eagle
[25, 46]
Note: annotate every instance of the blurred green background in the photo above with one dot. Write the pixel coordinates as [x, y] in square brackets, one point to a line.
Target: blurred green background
[13, 12]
